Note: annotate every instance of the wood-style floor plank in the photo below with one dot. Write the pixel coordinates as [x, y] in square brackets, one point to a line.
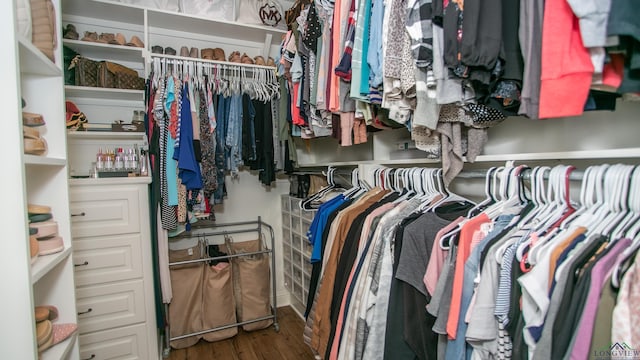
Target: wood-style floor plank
[267, 344]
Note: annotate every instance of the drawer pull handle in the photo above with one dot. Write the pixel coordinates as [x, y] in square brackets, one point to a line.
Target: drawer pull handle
[83, 264]
[85, 312]
[81, 214]
[91, 357]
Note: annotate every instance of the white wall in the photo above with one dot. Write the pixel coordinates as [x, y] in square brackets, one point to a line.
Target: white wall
[247, 199]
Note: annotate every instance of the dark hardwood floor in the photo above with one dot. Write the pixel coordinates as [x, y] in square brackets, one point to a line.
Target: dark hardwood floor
[264, 344]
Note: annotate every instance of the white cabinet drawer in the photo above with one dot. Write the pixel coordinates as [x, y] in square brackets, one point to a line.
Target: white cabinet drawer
[101, 259]
[129, 343]
[106, 306]
[104, 210]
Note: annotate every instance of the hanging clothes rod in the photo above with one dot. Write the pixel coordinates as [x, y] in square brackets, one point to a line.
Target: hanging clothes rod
[212, 62]
[575, 175]
[220, 257]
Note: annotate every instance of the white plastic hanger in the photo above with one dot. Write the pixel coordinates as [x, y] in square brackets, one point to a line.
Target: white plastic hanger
[629, 200]
[616, 187]
[487, 192]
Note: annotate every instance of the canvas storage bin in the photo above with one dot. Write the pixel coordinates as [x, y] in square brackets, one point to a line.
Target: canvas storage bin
[251, 283]
[185, 311]
[203, 297]
[218, 301]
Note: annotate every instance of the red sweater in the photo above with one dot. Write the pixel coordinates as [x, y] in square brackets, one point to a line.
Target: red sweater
[566, 65]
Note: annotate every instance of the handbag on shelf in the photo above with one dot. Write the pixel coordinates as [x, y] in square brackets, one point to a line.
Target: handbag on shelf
[85, 71]
[114, 75]
[68, 54]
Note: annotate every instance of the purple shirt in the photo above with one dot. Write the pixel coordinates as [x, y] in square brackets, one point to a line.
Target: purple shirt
[599, 274]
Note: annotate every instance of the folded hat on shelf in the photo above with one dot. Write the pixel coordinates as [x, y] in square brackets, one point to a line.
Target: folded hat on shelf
[44, 229]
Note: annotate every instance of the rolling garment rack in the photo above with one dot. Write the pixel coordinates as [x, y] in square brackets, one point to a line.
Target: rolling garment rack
[256, 226]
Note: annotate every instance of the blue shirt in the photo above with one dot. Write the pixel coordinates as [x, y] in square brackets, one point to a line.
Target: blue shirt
[374, 52]
[316, 229]
[188, 167]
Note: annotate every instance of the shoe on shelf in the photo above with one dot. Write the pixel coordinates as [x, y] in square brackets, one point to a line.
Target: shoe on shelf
[61, 332]
[33, 143]
[259, 60]
[118, 39]
[30, 132]
[184, 51]
[169, 51]
[135, 41]
[271, 62]
[207, 53]
[32, 119]
[246, 59]
[157, 49]
[193, 53]
[70, 32]
[106, 38]
[90, 36]
[218, 55]
[235, 57]
[35, 146]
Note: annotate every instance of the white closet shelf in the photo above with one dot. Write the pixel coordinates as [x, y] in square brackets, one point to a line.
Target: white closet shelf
[370, 162]
[105, 10]
[112, 181]
[132, 14]
[624, 153]
[97, 135]
[160, 19]
[105, 51]
[45, 263]
[44, 160]
[33, 61]
[103, 93]
[61, 350]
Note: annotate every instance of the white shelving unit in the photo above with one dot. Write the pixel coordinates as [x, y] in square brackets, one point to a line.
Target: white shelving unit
[296, 251]
[103, 93]
[30, 179]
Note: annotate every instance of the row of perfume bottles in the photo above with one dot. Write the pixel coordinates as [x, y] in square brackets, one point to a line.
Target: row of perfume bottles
[121, 159]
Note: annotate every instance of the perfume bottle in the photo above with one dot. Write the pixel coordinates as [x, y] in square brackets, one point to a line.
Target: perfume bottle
[144, 170]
